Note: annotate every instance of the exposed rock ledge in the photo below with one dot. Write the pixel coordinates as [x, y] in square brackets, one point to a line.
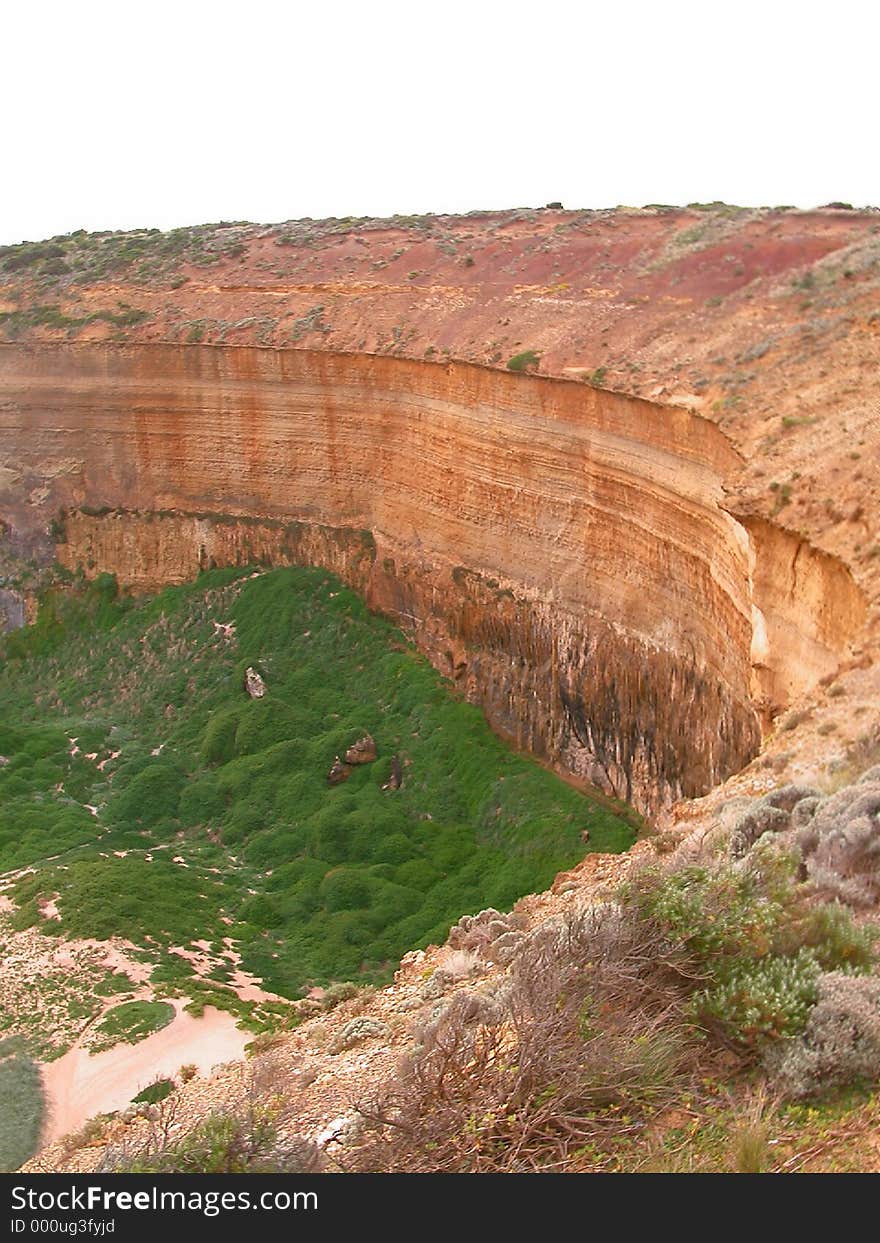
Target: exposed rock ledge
[562, 552]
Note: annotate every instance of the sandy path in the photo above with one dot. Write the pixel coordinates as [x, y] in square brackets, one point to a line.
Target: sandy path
[79, 1085]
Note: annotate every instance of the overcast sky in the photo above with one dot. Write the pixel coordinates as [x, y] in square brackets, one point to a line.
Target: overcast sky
[122, 115]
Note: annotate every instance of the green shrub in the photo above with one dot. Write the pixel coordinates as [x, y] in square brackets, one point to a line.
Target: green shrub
[131, 1022]
[154, 1092]
[128, 897]
[756, 939]
[712, 913]
[218, 743]
[153, 795]
[201, 801]
[835, 940]
[525, 361]
[761, 1000]
[228, 1144]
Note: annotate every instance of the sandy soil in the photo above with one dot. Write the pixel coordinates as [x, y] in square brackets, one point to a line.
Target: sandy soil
[80, 1085]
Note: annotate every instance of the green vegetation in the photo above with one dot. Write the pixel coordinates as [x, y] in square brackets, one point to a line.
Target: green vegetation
[146, 255]
[753, 940]
[131, 1022]
[16, 322]
[214, 816]
[718, 207]
[524, 361]
[21, 1108]
[798, 420]
[783, 495]
[154, 1092]
[226, 1143]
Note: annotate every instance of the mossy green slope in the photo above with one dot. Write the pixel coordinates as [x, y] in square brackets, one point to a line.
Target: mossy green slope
[215, 820]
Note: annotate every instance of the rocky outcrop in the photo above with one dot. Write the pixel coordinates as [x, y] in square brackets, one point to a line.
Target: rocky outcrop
[361, 752]
[338, 773]
[561, 552]
[254, 684]
[804, 601]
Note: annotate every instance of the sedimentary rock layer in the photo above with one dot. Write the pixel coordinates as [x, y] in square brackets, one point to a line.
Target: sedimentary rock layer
[561, 551]
[806, 608]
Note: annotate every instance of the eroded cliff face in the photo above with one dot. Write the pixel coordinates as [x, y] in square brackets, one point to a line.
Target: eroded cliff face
[805, 604]
[560, 551]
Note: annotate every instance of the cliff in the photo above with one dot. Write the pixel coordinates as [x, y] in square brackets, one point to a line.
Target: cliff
[562, 552]
[765, 320]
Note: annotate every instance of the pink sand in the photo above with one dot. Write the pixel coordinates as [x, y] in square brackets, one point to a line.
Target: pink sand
[80, 1085]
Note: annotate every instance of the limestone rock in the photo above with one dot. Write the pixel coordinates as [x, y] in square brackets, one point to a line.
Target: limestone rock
[395, 780]
[578, 664]
[339, 772]
[253, 683]
[361, 752]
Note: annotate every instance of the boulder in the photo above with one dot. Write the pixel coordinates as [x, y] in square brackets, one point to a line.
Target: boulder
[361, 752]
[253, 683]
[395, 781]
[339, 772]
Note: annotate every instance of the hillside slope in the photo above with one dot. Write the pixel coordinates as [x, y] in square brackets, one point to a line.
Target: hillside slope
[160, 802]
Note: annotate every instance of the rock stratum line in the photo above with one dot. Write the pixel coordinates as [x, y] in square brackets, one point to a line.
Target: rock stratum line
[560, 551]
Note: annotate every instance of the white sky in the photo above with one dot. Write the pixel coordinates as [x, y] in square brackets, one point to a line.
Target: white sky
[149, 113]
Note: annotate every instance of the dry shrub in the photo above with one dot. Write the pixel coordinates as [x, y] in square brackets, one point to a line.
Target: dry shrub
[265, 1042]
[841, 843]
[269, 1076]
[742, 1146]
[862, 756]
[460, 964]
[91, 1133]
[577, 1045]
[476, 933]
[771, 814]
[335, 994]
[749, 1151]
[356, 1030]
[251, 1134]
[235, 1142]
[841, 1042]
